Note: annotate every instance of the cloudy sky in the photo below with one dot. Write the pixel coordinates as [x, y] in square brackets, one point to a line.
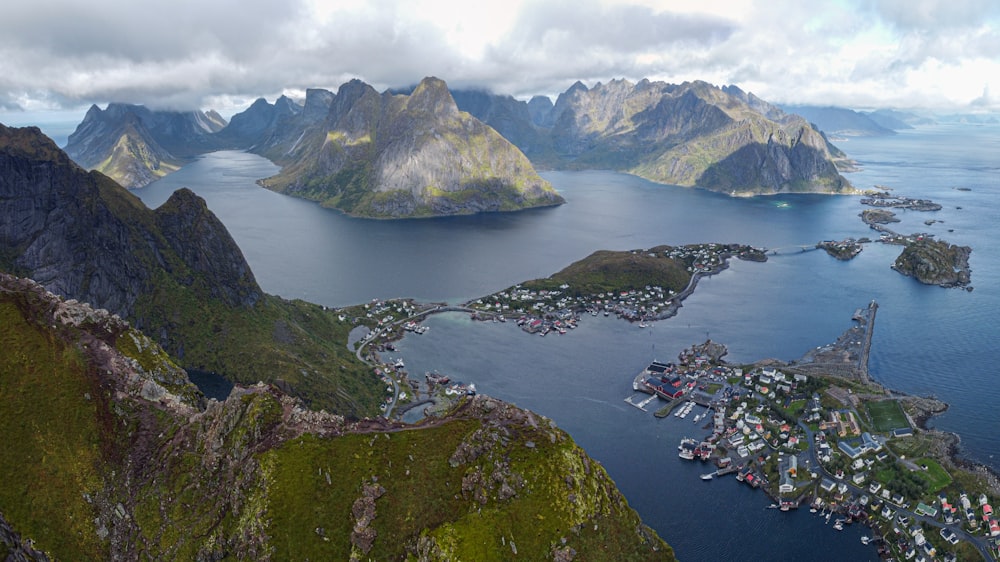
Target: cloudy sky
[221, 54]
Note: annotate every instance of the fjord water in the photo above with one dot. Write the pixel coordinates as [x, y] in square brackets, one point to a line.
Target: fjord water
[928, 340]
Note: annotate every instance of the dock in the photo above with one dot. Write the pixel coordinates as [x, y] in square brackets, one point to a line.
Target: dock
[641, 405]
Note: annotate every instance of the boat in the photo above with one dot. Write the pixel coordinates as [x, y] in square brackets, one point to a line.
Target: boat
[773, 506]
[839, 525]
[708, 476]
[686, 448]
[828, 516]
[866, 539]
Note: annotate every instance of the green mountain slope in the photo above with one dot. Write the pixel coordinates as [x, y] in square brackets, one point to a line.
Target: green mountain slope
[115, 456]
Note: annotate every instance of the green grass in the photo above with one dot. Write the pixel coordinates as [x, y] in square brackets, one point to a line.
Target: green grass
[605, 271]
[935, 475]
[886, 415]
[423, 497]
[52, 438]
[796, 407]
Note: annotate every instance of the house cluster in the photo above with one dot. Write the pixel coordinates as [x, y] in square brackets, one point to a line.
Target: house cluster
[771, 382]
[549, 306]
[649, 302]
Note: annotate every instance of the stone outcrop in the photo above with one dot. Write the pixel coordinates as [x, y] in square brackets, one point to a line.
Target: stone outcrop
[83, 236]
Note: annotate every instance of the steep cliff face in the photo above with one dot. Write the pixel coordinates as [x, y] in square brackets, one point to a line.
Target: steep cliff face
[135, 146]
[113, 455]
[690, 134]
[409, 155]
[174, 272]
[81, 235]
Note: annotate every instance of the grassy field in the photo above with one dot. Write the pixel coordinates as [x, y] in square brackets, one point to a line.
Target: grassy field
[886, 415]
[936, 476]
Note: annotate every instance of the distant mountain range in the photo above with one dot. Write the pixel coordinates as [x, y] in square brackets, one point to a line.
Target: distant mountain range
[429, 151]
[691, 134]
[845, 122]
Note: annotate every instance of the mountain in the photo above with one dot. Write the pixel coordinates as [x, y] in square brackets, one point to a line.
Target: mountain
[895, 120]
[840, 121]
[393, 155]
[690, 134]
[174, 272]
[135, 145]
[246, 130]
[112, 454]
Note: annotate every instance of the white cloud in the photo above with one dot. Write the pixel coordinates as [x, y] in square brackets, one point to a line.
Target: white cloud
[196, 53]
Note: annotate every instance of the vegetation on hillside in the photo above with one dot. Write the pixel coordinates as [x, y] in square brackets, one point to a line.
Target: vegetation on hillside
[106, 463]
[611, 271]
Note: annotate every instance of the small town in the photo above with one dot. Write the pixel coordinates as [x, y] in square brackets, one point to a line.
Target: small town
[546, 306]
[824, 443]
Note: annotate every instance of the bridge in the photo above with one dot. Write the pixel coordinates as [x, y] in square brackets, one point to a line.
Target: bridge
[795, 249]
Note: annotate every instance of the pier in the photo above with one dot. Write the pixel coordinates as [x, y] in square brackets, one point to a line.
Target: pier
[641, 405]
[866, 346]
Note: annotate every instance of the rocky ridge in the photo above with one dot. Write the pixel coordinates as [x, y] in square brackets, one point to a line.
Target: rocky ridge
[174, 272]
[157, 454]
[690, 134]
[136, 146]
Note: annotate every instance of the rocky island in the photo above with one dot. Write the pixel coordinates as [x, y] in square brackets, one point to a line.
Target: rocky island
[930, 261]
[935, 262]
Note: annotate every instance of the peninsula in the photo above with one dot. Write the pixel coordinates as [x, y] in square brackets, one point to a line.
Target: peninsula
[819, 433]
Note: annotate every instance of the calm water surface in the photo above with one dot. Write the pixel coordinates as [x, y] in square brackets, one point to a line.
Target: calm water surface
[927, 340]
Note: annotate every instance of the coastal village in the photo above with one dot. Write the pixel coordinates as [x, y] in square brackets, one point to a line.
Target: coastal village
[814, 434]
[545, 306]
[840, 446]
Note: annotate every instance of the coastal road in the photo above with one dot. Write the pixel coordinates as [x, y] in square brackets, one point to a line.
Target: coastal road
[373, 335]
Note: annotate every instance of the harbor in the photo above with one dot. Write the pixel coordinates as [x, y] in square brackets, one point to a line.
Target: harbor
[803, 432]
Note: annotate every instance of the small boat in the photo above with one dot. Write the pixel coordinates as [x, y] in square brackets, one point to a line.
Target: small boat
[866, 539]
[773, 506]
[707, 476]
[839, 525]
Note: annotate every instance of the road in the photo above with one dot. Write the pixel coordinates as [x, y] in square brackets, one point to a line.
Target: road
[374, 334]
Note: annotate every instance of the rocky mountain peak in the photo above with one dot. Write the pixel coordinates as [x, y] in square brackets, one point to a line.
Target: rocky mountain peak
[432, 96]
[30, 143]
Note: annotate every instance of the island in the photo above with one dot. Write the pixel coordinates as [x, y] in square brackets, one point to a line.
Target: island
[637, 285]
[932, 262]
[935, 262]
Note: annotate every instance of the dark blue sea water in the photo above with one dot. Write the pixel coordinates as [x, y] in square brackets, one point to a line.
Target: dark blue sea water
[927, 340]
